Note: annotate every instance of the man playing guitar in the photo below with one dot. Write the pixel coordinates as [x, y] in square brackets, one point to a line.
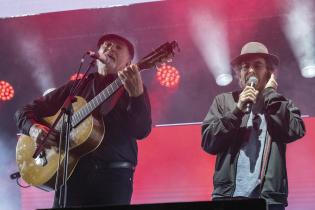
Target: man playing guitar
[104, 174]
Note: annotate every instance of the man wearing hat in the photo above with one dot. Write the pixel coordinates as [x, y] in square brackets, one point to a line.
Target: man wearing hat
[248, 131]
[105, 175]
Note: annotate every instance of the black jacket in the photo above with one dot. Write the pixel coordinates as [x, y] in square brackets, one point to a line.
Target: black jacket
[128, 121]
[222, 131]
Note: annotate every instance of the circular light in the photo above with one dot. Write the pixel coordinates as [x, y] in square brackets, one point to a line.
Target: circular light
[223, 79]
[308, 72]
[168, 76]
[6, 91]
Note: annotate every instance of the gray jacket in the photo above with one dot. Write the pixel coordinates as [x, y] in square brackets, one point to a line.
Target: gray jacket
[222, 131]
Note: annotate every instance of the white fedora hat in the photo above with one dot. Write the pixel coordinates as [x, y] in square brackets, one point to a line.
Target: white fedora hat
[254, 48]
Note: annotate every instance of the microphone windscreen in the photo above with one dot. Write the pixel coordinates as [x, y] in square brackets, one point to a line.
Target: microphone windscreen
[252, 81]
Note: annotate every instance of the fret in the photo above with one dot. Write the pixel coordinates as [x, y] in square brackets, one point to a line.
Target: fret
[77, 118]
[97, 103]
[103, 97]
[108, 93]
[112, 88]
[97, 97]
[93, 103]
[79, 114]
[84, 111]
[115, 83]
[74, 119]
[109, 89]
[118, 83]
[88, 108]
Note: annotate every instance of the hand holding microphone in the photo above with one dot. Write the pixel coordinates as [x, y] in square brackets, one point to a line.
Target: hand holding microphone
[248, 95]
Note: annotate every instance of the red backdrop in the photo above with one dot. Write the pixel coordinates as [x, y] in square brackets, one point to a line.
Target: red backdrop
[172, 167]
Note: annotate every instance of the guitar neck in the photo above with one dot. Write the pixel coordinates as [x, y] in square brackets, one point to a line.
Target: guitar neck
[96, 102]
[85, 111]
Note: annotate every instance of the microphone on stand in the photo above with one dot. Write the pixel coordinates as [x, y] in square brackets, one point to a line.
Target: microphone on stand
[252, 81]
[96, 56]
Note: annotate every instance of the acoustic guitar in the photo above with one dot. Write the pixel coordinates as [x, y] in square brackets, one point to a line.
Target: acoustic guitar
[86, 134]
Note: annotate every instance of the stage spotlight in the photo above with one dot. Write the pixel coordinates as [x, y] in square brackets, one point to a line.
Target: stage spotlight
[6, 91]
[167, 76]
[300, 31]
[308, 72]
[223, 79]
[209, 33]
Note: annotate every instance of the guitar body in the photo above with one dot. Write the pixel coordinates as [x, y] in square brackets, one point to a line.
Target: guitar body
[84, 138]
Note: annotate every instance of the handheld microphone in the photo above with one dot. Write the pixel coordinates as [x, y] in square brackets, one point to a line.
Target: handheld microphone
[252, 81]
[96, 56]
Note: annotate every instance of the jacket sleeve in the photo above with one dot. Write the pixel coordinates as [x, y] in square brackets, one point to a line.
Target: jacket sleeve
[39, 108]
[219, 126]
[283, 118]
[138, 118]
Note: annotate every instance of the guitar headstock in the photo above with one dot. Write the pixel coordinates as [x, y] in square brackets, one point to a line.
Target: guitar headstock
[162, 54]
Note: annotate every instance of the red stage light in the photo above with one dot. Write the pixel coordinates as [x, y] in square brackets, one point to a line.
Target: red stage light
[74, 76]
[6, 91]
[167, 75]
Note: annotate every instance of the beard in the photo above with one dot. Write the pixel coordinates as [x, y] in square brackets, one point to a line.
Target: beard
[106, 68]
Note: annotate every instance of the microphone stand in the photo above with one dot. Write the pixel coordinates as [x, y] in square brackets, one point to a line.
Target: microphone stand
[65, 134]
[66, 112]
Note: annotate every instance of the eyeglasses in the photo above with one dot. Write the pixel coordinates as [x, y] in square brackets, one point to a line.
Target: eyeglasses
[255, 66]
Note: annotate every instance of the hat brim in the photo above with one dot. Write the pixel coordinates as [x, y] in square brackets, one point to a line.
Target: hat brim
[117, 37]
[273, 58]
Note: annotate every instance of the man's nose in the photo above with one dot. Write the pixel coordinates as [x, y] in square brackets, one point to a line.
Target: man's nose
[251, 69]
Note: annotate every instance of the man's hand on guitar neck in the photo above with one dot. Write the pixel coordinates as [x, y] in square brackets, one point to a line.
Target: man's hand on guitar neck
[38, 133]
[131, 79]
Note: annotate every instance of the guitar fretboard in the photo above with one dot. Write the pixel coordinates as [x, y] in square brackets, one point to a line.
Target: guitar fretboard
[86, 110]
